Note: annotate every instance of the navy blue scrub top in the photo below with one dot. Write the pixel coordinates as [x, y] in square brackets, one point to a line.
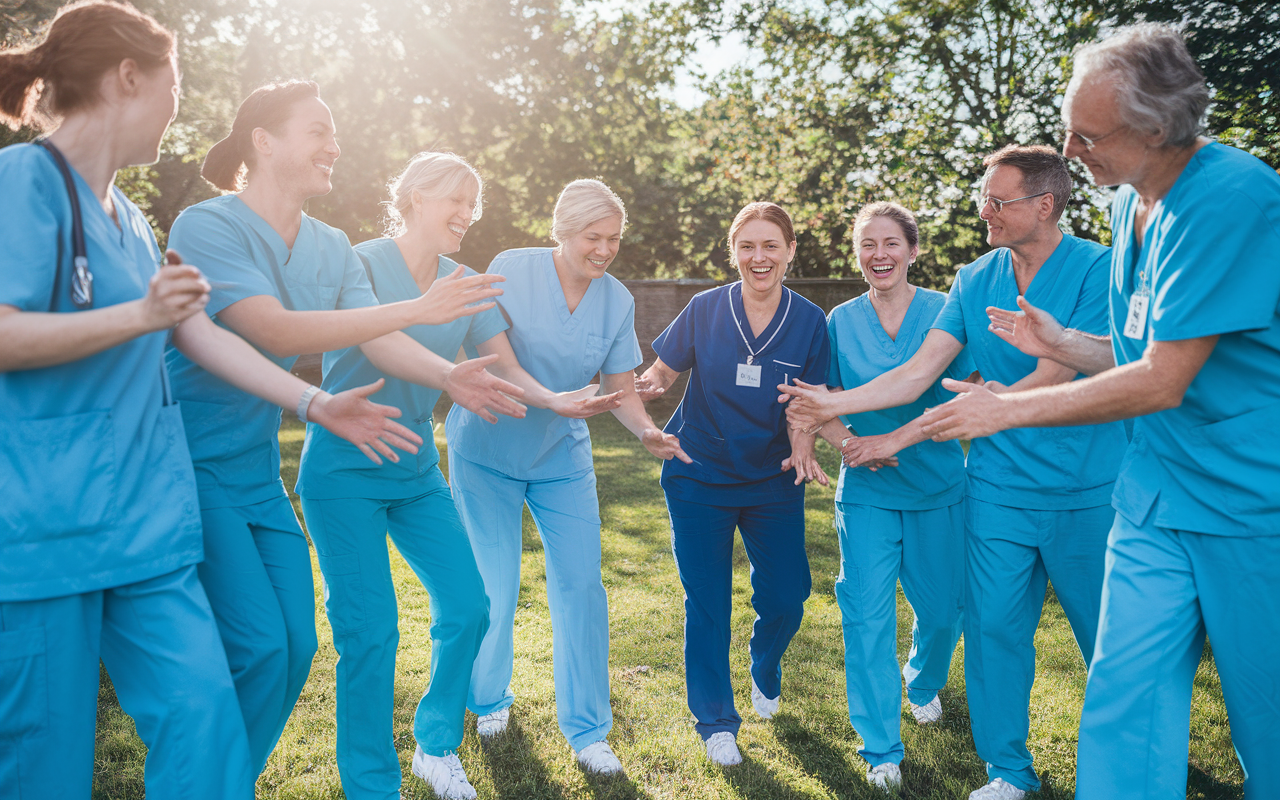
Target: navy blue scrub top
[737, 435]
[96, 486]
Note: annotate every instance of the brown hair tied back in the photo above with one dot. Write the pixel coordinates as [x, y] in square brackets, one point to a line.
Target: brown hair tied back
[266, 107]
[769, 212]
[41, 83]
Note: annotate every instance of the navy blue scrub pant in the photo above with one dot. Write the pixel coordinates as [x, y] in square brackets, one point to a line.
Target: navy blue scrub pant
[702, 541]
[160, 645]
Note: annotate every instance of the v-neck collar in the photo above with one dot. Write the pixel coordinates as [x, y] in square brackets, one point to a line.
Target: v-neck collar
[406, 284]
[1049, 268]
[740, 310]
[569, 319]
[906, 330]
[260, 226]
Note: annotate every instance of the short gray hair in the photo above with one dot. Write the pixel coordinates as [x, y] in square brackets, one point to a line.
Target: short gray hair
[1044, 171]
[1160, 87]
[433, 176]
[581, 204]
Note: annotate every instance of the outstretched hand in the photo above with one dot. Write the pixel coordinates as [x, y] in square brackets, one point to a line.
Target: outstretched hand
[471, 386]
[1032, 330]
[584, 402]
[872, 452]
[457, 295]
[974, 412]
[648, 389]
[808, 406]
[364, 423]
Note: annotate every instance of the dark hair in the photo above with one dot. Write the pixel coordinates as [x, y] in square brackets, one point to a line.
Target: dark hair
[266, 107]
[899, 214]
[769, 212]
[43, 82]
[1044, 171]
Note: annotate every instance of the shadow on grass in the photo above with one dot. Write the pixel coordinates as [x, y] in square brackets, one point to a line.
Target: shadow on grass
[752, 781]
[517, 771]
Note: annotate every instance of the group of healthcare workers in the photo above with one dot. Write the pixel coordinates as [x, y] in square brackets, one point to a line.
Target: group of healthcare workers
[146, 523]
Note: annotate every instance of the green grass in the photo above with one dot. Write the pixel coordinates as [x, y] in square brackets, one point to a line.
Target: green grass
[809, 749]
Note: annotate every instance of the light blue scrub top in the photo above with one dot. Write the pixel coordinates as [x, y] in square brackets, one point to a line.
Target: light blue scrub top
[1048, 469]
[334, 468]
[737, 435]
[930, 474]
[232, 434]
[562, 351]
[1211, 253]
[96, 488]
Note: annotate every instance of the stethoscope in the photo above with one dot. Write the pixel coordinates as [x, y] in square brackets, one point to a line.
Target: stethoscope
[81, 277]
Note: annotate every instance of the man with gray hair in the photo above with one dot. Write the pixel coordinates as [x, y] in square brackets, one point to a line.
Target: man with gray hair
[1037, 505]
[1194, 354]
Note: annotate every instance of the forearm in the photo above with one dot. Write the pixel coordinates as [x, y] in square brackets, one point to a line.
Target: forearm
[270, 326]
[399, 356]
[235, 361]
[1046, 373]
[508, 368]
[894, 388]
[1085, 353]
[1119, 393]
[34, 339]
[659, 375]
[833, 431]
[630, 412]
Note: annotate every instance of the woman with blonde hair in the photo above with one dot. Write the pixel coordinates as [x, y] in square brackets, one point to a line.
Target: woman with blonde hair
[570, 320]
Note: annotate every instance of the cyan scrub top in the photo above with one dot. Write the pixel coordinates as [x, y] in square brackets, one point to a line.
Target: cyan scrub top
[930, 474]
[737, 435]
[334, 468]
[1048, 469]
[1209, 256]
[95, 480]
[233, 435]
[563, 352]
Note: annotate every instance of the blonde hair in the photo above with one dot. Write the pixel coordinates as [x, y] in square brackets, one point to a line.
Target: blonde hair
[433, 176]
[899, 214]
[581, 204]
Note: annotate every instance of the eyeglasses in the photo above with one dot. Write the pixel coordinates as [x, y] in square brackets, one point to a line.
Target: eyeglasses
[1088, 143]
[997, 205]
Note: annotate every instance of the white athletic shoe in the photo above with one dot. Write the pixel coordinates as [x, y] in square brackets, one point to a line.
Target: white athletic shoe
[998, 789]
[494, 724]
[444, 774]
[887, 776]
[598, 758]
[722, 749]
[765, 707]
[929, 712]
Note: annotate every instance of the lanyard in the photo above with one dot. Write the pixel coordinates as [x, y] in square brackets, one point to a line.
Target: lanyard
[751, 354]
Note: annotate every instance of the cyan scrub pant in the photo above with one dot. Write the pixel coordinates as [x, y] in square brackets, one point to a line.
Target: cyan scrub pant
[351, 542]
[1012, 554]
[257, 573]
[702, 541]
[1164, 590]
[567, 514]
[160, 645]
[925, 549]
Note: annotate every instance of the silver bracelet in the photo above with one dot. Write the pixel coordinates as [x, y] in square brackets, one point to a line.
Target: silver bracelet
[305, 400]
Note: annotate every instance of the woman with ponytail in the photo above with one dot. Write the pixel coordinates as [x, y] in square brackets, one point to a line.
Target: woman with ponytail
[99, 531]
[289, 284]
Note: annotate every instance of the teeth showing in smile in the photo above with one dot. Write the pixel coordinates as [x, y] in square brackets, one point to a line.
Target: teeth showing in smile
[327, 169]
[883, 269]
[762, 270]
[598, 263]
[457, 230]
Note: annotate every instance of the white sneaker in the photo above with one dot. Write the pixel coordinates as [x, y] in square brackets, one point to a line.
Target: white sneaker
[887, 776]
[765, 707]
[493, 724]
[929, 712]
[598, 758]
[722, 749]
[444, 774]
[998, 789]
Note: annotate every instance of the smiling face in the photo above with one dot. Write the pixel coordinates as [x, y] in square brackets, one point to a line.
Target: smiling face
[301, 156]
[587, 254]
[443, 221]
[1015, 223]
[762, 253]
[1091, 109]
[884, 253]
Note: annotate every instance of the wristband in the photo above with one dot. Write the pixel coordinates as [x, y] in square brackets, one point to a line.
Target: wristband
[304, 401]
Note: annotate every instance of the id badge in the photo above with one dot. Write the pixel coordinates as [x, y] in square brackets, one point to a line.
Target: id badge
[749, 375]
[1135, 325]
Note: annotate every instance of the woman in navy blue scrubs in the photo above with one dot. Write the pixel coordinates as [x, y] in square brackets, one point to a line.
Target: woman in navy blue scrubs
[100, 527]
[748, 469]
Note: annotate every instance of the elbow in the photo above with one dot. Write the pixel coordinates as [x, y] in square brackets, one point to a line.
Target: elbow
[1164, 398]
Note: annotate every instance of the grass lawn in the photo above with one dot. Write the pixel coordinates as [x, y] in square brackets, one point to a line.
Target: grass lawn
[809, 750]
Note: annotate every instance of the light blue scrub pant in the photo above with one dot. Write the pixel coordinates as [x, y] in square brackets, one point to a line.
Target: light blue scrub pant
[360, 599]
[257, 573]
[702, 542]
[160, 645]
[567, 513]
[877, 547]
[1012, 554]
[1164, 589]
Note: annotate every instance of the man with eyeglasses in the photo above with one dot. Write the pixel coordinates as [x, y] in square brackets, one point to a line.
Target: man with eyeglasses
[1194, 355]
[1038, 500]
